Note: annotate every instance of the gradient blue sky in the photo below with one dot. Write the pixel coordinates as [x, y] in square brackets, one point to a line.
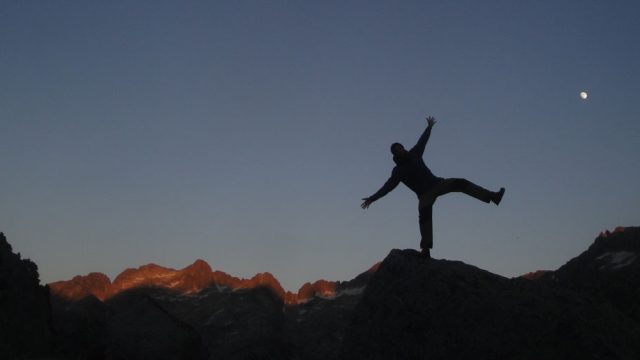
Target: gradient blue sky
[245, 133]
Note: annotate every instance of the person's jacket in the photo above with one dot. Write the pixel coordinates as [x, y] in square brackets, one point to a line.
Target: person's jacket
[411, 170]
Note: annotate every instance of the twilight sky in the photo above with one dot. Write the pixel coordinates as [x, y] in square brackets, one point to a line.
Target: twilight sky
[245, 133]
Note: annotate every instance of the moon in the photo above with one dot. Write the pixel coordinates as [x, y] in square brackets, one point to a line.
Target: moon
[584, 95]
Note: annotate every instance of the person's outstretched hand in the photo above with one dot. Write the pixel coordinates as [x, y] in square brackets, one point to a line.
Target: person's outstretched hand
[366, 203]
[431, 120]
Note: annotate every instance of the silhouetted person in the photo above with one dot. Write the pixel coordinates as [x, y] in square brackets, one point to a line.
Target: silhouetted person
[411, 170]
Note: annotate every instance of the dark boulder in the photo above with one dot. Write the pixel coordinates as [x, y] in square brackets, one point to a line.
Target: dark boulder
[25, 313]
[415, 308]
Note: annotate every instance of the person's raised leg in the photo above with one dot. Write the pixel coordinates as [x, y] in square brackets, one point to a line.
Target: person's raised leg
[498, 197]
[467, 187]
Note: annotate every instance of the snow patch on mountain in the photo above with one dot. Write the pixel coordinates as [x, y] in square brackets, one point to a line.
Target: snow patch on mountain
[614, 260]
[351, 292]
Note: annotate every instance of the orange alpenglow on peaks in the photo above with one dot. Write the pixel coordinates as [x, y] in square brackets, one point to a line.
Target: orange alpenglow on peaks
[189, 280]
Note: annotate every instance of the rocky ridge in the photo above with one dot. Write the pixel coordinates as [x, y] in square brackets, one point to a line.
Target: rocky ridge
[25, 314]
[190, 280]
[586, 309]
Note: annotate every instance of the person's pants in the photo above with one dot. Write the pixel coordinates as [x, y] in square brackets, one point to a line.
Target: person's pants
[445, 186]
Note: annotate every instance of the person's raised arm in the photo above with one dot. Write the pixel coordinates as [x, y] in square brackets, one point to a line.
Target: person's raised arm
[391, 184]
[422, 141]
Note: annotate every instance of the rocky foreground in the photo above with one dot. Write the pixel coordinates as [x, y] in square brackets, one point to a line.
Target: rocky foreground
[403, 308]
[25, 315]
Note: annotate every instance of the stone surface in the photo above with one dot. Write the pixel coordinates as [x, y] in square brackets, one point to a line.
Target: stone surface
[438, 309]
[25, 314]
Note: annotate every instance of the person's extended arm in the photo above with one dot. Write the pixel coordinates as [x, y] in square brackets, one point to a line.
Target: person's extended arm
[422, 141]
[391, 184]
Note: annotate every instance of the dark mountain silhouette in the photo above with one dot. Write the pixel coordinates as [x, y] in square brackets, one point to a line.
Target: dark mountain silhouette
[608, 270]
[205, 313]
[403, 308]
[587, 309]
[450, 310]
[25, 314]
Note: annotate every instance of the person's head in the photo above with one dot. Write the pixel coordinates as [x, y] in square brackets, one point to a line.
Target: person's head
[397, 149]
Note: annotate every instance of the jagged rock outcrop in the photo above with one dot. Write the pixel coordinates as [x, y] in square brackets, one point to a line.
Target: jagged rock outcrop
[25, 315]
[437, 309]
[609, 270]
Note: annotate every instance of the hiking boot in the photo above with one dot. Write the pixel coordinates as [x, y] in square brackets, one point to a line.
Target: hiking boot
[498, 196]
[425, 253]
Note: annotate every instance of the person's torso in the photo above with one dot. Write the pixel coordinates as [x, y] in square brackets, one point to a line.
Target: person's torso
[414, 173]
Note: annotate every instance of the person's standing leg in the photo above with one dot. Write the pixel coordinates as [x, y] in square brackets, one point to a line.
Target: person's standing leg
[426, 227]
[425, 207]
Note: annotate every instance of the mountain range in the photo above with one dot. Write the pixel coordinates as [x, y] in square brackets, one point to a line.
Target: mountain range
[191, 280]
[405, 307]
